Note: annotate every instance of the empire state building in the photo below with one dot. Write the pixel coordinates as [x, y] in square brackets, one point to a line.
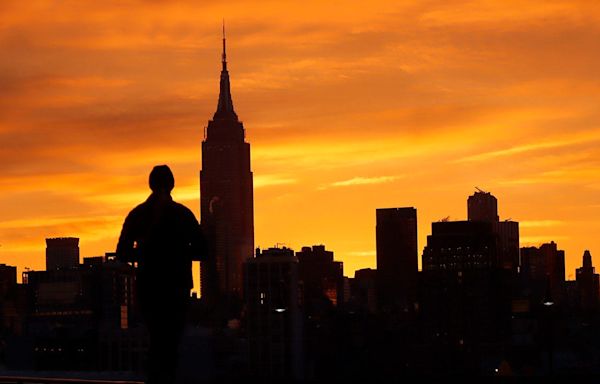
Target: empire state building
[226, 196]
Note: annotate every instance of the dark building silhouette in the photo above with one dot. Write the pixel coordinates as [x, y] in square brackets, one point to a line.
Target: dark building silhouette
[81, 318]
[465, 295]
[322, 278]
[8, 279]
[226, 196]
[273, 317]
[588, 284]
[62, 253]
[459, 246]
[543, 272]
[483, 206]
[508, 245]
[397, 260]
[10, 321]
[364, 290]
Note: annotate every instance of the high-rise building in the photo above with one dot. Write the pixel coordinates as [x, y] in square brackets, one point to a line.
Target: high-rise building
[62, 253]
[226, 196]
[482, 206]
[9, 314]
[543, 272]
[465, 295]
[397, 260]
[8, 279]
[508, 245]
[364, 291]
[322, 277]
[273, 317]
[460, 246]
[588, 284]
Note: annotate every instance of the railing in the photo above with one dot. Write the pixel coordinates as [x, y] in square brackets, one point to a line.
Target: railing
[56, 380]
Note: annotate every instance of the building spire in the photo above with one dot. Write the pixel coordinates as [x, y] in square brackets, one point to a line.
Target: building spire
[225, 104]
[587, 260]
[224, 55]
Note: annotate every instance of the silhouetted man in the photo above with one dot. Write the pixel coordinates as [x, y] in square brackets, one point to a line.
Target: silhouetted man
[163, 237]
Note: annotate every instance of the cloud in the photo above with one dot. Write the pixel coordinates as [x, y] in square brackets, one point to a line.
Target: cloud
[528, 241]
[540, 223]
[370, 253]
[520, 149]
[364, 181]
[261, 181]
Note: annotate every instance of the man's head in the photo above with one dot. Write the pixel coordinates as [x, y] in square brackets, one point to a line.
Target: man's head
[161, 179]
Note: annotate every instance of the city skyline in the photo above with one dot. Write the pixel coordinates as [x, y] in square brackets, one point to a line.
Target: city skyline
[346, 114]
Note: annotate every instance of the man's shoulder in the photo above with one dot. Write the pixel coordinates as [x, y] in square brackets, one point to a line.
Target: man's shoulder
[139, 211]
[142, 207]
[183, 210]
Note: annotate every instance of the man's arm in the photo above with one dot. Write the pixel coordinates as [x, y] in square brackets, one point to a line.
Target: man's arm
[126, 244]
[198, 244]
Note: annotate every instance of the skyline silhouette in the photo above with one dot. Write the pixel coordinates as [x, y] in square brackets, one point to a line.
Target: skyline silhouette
[320, 141]
[356, 239]
[475, 308]
[468, 312]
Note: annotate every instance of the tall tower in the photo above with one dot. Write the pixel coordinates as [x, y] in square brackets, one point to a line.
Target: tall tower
[588, 284]
[397, 260]
[226, 198]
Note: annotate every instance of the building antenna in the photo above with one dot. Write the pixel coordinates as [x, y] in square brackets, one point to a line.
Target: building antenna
[224, 50]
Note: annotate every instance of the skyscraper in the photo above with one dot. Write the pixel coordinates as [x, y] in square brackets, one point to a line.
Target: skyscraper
[226, 196]
[62, 253]
[397, 262]
[588, 283]
[273, 317]
[322, 277]
[482, 206]
[8, 279]
[460, 246]
[11, 308]
[465, 294]
[543, 268]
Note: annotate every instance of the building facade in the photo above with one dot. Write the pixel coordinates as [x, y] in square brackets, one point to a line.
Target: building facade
[226, 197]
[588, 284]
[543, 272]
[273, 317]
[465, 297]
[10, 302]
[322, 278]
[483, 207]
[397, 260]
[62, 253]
[77, 318]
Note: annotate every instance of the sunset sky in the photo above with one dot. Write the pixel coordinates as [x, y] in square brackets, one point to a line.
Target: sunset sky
[349, 106]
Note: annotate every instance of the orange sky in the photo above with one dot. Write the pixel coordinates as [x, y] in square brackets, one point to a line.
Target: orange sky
[349, 106]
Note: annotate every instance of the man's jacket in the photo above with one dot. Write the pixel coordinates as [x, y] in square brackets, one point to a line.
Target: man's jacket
[163, 237]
